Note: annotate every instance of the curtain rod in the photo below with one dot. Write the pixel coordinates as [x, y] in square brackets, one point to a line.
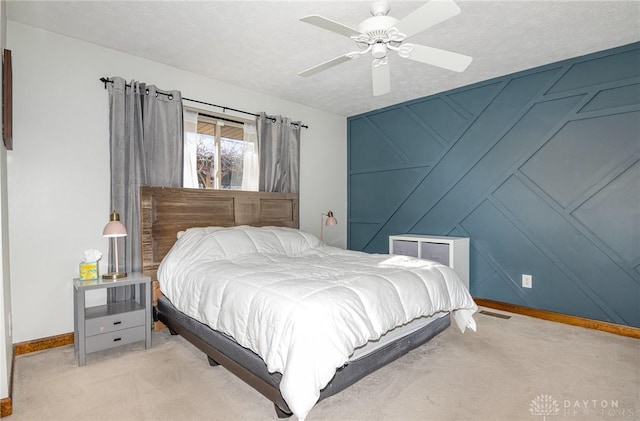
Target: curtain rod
[106, 80]
[221, 118]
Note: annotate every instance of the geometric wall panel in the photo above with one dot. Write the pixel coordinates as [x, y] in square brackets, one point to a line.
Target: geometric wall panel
[489, 169]
[597, 71]
[612, 214]
[447, 167]
[616, 97]
[486, 276]
[540, 169]
[587, 267]
[441, 117]
[380, 152]
[375, 195]
[473, 99]
[582, 153]
[514, 254]
[362, 232]
[396, 124]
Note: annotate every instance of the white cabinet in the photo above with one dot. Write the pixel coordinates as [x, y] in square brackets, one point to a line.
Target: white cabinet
[450, 251]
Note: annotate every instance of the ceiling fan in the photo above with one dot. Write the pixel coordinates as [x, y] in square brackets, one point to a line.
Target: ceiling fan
[381, 33]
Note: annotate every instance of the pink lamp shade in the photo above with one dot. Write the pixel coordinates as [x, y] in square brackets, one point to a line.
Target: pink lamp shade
[331, 220]
[114, 227]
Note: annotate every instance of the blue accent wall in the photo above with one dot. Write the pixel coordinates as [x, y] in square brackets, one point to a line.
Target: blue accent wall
[540, 169]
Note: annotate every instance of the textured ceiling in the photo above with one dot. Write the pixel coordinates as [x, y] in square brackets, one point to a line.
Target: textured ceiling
[261, 45]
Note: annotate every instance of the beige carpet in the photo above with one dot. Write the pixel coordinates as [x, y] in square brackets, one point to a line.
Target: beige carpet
[515, 369]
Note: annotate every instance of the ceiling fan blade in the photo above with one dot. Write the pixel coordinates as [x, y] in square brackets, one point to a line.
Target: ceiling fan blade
[437, 57]
[381, 77]
[324, 66]
[330, 25]
[430, 14]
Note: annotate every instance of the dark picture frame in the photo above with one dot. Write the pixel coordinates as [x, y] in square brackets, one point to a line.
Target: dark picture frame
[7, 100]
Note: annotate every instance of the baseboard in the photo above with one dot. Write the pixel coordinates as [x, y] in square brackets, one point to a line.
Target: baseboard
[6, 404]
[632, 332]
[6, 408]
[42, 344]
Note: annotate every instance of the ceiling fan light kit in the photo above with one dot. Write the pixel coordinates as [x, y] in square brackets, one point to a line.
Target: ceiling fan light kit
[381, 33]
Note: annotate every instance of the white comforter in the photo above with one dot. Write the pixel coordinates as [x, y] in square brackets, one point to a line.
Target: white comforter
[299, 304]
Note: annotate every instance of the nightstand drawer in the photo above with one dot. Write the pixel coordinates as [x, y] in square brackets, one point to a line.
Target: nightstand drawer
[113, 339]
[114, 322]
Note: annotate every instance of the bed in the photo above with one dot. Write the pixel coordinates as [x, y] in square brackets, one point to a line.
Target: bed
[294, 356]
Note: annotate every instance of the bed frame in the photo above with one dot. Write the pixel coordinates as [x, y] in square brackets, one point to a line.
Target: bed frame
[166, 211]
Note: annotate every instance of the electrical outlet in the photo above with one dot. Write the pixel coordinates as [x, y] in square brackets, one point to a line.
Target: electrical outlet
[527, 281]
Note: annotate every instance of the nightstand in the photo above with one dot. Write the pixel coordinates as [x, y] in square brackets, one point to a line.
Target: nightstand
[450, 251]
[126, 318]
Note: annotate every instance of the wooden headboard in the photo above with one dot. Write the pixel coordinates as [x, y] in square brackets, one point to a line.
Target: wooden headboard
[164, 211]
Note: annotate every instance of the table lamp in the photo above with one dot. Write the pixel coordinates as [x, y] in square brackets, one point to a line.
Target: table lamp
[113, 230]
[331, 220]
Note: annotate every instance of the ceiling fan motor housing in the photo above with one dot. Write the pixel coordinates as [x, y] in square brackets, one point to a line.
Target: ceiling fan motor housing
[376, 27]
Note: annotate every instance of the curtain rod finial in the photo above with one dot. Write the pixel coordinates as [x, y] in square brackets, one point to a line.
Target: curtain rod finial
[105, 81]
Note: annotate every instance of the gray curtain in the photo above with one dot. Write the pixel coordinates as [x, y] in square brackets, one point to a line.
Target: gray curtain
[279, 151]
[145, 137]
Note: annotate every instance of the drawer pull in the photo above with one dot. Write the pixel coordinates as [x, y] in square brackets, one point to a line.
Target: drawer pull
[117, 323]
[117, 339]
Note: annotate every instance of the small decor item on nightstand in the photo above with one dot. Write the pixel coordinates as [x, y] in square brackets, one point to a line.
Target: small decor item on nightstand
[113, 230]
[89, 267]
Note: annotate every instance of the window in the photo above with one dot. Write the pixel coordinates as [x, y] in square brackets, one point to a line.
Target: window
[218, 153]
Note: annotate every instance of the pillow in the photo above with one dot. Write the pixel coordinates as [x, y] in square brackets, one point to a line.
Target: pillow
[219, 242]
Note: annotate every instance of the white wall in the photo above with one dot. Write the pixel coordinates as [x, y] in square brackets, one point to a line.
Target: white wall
[6, 343]
[58, 172]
